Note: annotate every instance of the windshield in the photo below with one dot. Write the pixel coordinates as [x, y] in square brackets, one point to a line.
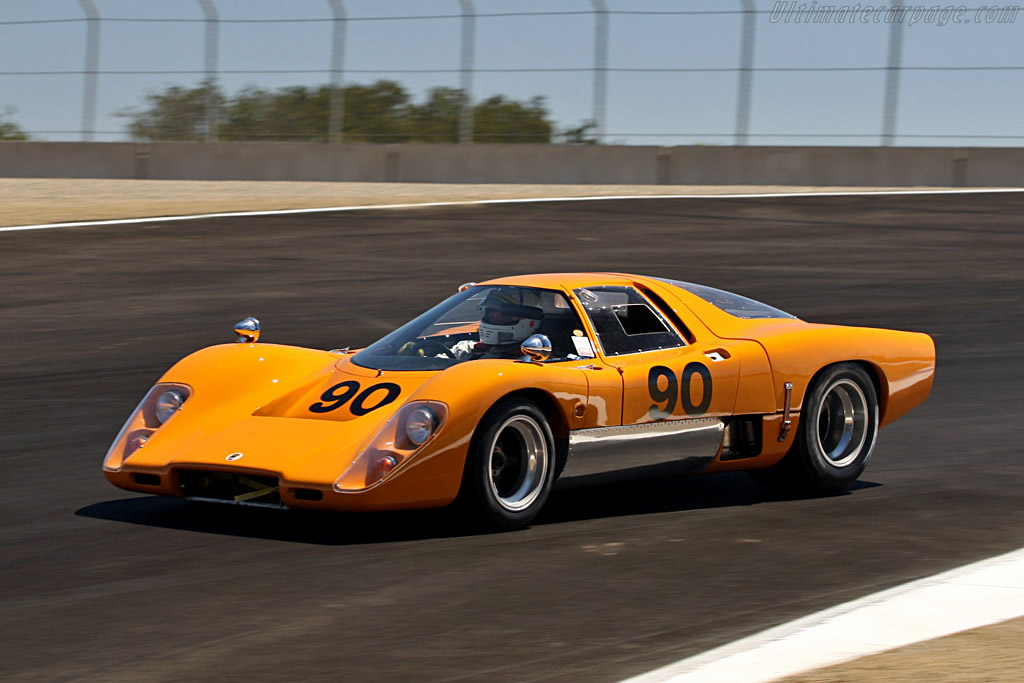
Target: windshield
[480, 322]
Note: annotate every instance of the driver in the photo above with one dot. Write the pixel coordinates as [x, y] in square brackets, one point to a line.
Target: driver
[508, 316]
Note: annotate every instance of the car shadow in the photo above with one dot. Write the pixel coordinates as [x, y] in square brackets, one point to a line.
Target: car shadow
[619, 497]
[577, 502]
[295, 526]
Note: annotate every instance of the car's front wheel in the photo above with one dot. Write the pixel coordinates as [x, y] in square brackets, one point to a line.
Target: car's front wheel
[511, 465]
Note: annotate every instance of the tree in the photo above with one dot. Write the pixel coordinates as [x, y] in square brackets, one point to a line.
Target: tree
[579, 134]
[295, 113]
[437, 119]
[380, 112]
[8, 129]
[376, 113]
[499, 120]
[174, 114]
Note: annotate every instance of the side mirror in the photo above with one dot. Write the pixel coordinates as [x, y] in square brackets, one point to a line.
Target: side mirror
[248, 330]
[537, 348]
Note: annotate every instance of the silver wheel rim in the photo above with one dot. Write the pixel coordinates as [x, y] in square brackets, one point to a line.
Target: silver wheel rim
[843, 422]
[517, 463]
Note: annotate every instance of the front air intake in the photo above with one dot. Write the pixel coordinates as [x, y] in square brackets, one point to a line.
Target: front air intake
[230, 487]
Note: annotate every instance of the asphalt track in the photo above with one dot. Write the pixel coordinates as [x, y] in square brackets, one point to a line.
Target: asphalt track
[613, 580]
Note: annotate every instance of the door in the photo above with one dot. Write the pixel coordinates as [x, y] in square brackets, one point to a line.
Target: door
[672, 395]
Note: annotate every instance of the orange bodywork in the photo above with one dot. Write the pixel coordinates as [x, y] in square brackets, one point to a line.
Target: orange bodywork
[268, 411]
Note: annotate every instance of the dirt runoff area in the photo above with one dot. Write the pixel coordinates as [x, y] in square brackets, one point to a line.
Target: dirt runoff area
[32, 201]
[992, 653]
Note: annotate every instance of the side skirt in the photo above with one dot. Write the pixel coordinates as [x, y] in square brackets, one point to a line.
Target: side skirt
[691, 444]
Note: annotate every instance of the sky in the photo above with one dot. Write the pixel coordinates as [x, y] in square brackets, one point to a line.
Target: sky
[977, 105]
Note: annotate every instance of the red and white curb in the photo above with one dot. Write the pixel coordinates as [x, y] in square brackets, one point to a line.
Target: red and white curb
[977, 595]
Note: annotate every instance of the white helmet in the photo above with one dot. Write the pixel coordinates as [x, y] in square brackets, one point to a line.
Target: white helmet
[507, 318]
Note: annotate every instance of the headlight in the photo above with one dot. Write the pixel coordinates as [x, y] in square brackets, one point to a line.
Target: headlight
[404, 435]
[420, 424]
[156, 408]
[167, 404]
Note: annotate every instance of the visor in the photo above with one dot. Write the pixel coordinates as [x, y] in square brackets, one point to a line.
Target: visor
[493, 316]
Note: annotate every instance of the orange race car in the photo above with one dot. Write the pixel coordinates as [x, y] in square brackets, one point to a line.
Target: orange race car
[494, 393]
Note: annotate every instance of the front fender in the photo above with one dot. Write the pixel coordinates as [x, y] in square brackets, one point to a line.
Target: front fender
[225, 375]
[470, 390]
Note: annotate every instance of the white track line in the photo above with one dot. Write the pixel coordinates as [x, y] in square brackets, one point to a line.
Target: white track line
[977, 595]
[285, 212]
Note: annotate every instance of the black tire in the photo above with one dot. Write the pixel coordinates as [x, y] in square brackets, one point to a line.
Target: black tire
[499, 483]
[836, 437]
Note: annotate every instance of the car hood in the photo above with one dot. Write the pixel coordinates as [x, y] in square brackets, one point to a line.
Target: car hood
[304, 417]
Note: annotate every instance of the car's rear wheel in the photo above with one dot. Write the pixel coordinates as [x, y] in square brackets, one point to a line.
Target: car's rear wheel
[511, 465]
[836, 436]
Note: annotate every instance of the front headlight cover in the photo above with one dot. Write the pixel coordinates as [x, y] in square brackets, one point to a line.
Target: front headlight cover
[414, 426]
[168, 403]
[420, 424]
[152, 413]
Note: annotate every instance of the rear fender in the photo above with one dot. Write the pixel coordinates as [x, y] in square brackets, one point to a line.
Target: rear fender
[902, 362]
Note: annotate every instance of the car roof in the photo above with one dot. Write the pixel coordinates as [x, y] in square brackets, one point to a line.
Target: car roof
[723, 323]
[567, 280]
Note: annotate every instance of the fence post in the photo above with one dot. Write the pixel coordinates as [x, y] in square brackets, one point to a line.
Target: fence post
[892, 79]
[746, 73]
[466, 80]
[600, 66]
[210, 59]
[92, 67]
[336, 113]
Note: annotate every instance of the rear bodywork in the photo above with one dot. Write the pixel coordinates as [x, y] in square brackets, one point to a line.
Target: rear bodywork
[278, 425]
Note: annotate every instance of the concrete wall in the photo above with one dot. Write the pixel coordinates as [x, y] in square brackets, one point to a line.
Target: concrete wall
[871, 166]
[557, 164]
[264, 161]
[67, 160]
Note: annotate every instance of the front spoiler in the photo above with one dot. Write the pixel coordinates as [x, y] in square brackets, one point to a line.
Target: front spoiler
[299, 495]
[243, 503]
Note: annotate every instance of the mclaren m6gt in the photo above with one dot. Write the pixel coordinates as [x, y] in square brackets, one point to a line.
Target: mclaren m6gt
[508, 385]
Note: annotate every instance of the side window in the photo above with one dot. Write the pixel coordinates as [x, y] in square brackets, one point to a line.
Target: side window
[562, 326]
[625, 321]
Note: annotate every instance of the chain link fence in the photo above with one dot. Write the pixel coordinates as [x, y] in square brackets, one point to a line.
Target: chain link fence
[630, 73]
